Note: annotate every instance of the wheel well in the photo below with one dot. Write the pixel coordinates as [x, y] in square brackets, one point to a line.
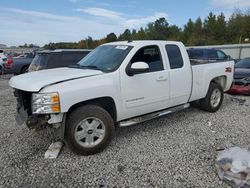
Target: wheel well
[106, 103]
[221, 80]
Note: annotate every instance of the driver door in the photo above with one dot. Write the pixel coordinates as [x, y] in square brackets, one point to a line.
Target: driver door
[147, 91]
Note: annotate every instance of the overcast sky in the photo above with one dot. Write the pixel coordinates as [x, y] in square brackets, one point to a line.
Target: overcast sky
[43, 21]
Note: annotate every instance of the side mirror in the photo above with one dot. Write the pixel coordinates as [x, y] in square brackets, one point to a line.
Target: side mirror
[137, 67]
[229, 57]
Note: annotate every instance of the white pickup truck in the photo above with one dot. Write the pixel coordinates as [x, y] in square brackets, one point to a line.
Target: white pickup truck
[118, 84]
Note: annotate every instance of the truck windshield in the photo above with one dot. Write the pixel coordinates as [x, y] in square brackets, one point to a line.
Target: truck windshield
[106, 58]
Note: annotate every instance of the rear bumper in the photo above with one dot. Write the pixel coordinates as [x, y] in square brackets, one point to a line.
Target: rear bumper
[7, 70]
[239, 89]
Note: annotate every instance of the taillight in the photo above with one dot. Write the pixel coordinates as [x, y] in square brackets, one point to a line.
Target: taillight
[8, 63]
[229, 69]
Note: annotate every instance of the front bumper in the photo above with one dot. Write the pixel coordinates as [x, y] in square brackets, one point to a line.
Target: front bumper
[32, 121]
[21, 116]
[24, 113]
[23, 106]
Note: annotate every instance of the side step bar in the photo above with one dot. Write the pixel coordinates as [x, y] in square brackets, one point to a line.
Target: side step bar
[153, 115]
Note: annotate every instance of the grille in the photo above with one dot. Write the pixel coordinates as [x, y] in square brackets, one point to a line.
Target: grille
[23, 100]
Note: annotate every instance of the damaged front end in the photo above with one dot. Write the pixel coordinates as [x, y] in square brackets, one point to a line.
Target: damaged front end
[25, 113]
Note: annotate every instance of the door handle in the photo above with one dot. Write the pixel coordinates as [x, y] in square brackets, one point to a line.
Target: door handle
[161, 78]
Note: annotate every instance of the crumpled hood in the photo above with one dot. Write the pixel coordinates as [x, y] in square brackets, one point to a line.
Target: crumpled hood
[35, 81]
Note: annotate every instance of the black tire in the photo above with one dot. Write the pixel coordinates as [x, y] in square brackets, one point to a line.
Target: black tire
[207, 103]
[1, 70]
[196, 104]
[25, 69]
[85, 114]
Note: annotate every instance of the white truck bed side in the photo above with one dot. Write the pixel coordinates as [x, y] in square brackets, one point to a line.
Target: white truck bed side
[203, 74]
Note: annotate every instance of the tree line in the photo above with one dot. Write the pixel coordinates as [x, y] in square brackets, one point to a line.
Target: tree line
[214, 29]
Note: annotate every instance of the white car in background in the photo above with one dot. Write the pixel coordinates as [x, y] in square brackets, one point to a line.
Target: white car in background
[3, 59]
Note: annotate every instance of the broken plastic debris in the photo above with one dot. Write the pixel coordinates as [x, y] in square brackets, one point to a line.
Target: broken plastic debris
[238, 100]
[239, 166]
[53, 150]
[234, 167]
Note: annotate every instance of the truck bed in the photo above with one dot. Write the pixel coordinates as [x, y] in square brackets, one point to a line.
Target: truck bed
[200, 61]
[203, 73]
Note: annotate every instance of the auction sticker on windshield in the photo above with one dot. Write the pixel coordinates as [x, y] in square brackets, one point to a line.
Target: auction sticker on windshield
[121, 47]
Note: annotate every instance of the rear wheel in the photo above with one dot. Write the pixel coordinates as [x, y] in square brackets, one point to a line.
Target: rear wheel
[89, 129]
[213, 99]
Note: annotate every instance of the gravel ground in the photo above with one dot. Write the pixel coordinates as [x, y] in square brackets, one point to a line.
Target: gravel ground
[178, 150]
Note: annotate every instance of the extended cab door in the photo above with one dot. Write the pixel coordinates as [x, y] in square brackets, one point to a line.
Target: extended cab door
[147, 91]
[180, 73]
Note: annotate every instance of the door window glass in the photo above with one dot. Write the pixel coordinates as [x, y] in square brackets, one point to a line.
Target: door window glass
[150, 55]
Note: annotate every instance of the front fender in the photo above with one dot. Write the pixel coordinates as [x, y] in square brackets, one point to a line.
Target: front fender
[76, 91]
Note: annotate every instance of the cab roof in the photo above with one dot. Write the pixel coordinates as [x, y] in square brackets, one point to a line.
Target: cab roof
[141, 42]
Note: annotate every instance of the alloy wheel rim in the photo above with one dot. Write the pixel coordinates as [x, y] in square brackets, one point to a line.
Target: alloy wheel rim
[215, 98]
[89, 132]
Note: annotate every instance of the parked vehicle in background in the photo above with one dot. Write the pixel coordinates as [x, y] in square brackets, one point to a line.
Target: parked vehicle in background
[120, 83]
[3, 59]
[57, 58]
[18, 65]
[8, 64]
[241, 83]
[207, 55]
[25, 55]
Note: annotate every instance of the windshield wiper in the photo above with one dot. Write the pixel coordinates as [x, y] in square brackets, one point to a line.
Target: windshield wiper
[84, 67]
[74, 66]
[89, 67]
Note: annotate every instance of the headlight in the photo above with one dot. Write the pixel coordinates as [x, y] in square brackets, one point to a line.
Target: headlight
[47, 103]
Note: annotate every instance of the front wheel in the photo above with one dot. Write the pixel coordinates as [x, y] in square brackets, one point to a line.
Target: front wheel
[89, 129]
[213, 99]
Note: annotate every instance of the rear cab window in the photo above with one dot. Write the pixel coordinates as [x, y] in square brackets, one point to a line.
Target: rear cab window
[174, 56]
